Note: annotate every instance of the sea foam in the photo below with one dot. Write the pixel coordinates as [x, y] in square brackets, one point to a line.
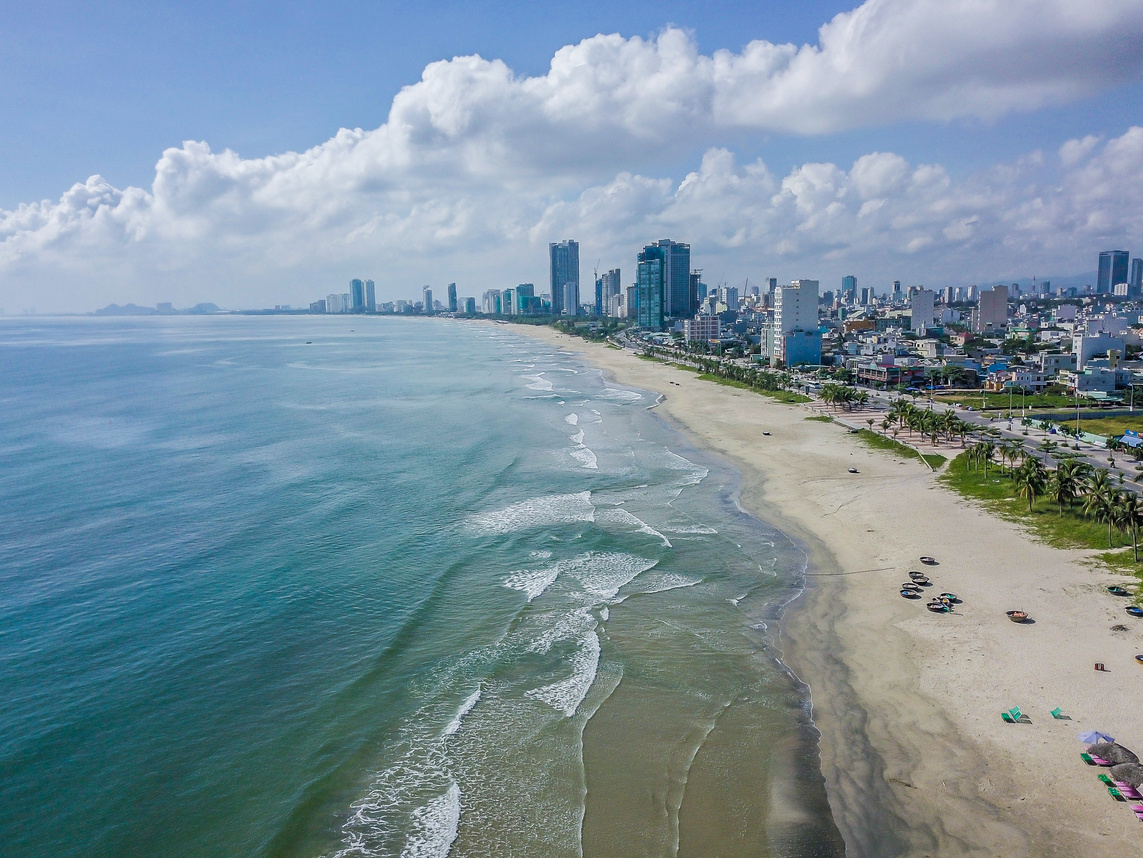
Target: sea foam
[535, 512]
[624, 517]
[567, 694]
[532, 582]
[465, 708]
[435, 826]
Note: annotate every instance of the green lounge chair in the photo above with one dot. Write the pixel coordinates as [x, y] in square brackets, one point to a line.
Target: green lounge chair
[1012, 716]
[1115, 794]
[1057, 713]
[1106, 780]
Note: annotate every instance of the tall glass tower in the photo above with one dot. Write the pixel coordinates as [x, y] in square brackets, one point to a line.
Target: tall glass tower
[1112, 270]
[564, 258]
[357, 296]
[650, 285]
[679, 300]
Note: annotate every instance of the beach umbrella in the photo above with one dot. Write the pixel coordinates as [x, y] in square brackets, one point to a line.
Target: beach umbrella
[1132, 773]
[1112, 752]
[1093, 736]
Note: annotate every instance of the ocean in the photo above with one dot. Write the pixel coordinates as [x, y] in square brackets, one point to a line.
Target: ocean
[368, 586]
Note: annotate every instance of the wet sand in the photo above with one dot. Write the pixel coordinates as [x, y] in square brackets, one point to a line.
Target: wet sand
[916, 758]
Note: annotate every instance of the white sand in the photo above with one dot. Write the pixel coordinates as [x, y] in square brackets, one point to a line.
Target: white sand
[916, 757]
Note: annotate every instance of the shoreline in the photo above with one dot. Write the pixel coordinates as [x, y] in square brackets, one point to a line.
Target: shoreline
[915, 757]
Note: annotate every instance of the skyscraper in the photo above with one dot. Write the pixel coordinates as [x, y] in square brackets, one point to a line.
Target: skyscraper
[679, 300]
[564, 259]
[1112, 269]
[370, 297]
[428, 304]
[1136, 280]
[357, 295]
[452, 297]
[849, 288]
[650, 285]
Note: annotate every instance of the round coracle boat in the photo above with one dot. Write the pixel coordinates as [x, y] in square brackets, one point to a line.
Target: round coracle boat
[1118, 591]
[1017, 616]
[929, 561]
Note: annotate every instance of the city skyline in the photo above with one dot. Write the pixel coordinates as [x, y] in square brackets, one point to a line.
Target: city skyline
[789, 143]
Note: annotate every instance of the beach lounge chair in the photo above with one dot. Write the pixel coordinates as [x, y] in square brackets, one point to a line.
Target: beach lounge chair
[1057, 713]
[1115, 794]
[1095, 761]
[1106, 780]
[1012, 716]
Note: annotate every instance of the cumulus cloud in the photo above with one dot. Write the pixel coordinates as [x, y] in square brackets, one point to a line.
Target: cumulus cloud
[478, 166]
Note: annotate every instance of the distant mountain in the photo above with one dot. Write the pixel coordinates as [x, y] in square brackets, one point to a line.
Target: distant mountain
[204, 309]
[126, 310]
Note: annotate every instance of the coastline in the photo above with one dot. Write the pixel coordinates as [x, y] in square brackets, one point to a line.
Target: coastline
[915, 756]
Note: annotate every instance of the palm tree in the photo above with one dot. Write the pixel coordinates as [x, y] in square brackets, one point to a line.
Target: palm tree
[1097, 503]
[1030, 479]
[1066, 483]
[1128, 515]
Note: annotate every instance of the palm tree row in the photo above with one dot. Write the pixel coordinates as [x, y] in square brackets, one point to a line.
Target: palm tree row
[1072, 481]
[843, 395]
[931, 424]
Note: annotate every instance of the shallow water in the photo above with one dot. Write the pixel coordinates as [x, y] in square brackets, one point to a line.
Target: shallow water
[366, 586]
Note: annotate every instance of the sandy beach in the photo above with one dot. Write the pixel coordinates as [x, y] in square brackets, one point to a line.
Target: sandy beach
[916, 758]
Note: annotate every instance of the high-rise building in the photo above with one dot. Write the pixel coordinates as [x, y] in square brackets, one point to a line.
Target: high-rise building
[428, 303]
[492, 304]
[921, 306]
[452, 297]
[1112, 269]
[599, 302]
[992, 309]
[1136, 280]
[470, 306]
[728, 295]
[608, 287]
[370, 297]
[795, 335]
[564, 259]
[317, 306]
[679, 300]
[526, 302]
[849, 288]
[357, 293]
[651, 286]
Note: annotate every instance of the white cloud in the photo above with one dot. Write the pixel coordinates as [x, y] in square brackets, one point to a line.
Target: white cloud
[477, 167]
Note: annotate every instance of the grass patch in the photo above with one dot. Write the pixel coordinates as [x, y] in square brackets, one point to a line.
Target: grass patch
[998, 494]
[1110, 425]
[821, 418]
[935, 460]
[892, 445]
[613, 346]
[787, 396]
[1001, 401]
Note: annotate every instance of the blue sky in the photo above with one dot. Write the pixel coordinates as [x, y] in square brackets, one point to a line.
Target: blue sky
[470, 185]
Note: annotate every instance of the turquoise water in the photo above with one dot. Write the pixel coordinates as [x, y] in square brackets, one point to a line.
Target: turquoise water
[361, 586]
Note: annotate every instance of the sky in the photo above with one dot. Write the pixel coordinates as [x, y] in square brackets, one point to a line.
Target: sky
[254, 154]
